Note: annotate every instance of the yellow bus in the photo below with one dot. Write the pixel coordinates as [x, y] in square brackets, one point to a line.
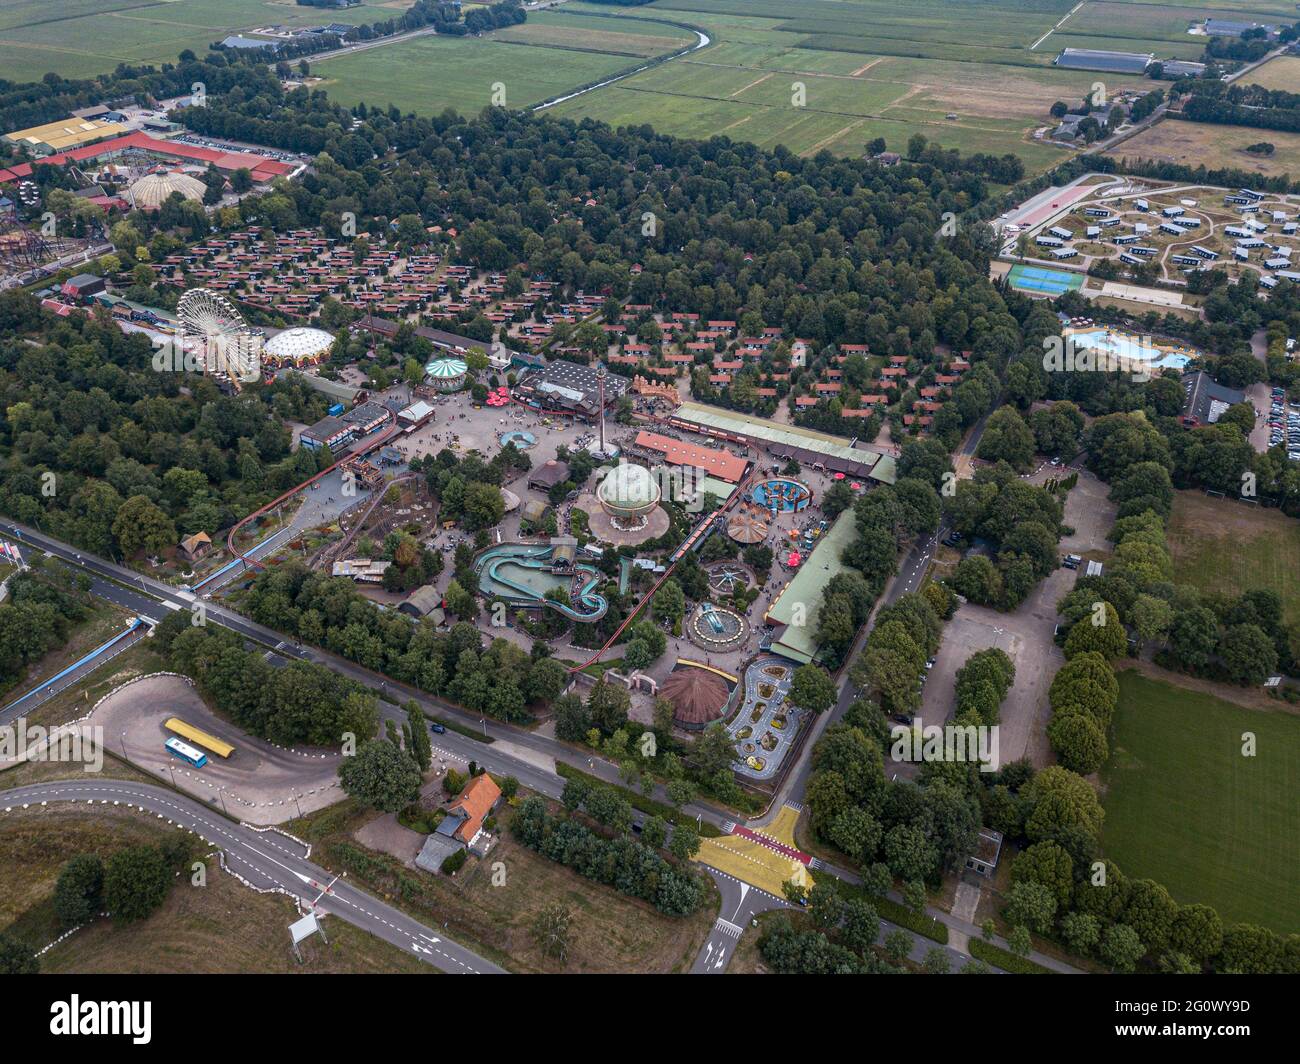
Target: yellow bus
[209, 742]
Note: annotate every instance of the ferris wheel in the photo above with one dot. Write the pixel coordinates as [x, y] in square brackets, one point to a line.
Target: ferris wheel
[217, 332]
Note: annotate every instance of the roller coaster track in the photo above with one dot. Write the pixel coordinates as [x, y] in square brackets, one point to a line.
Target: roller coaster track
[741, 491]
[365, 449]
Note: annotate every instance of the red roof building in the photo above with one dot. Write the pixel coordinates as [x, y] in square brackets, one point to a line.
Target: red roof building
[720, 463]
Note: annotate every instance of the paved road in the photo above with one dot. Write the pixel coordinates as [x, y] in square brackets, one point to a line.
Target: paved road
[107, 579]
[34, 697]
[740, 904]
[266, 860]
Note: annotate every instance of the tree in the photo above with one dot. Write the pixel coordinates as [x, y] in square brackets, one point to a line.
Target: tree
[1031, 904]
[685, 842]
[812, 688]
[15, 957]
[136, 882]
[669, 602]
[1248, 654]
[608, 705]
[1082, 931]
[861, 925]
[551, 931]
[421, 747]
[1078, 741]
[1196, 931]
[142, 526]
[1194, 637]
[654, 832]
[79, 892]
[1019, 942]
[897, 945]
[936, 961]
[460, 602]
[572, 720]
[1007, 439]
[1121, 948]
[1099, 633]
[381, 776]
[1059, 801]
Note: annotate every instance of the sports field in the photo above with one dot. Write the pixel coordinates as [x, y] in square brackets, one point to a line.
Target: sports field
[1223, 546]
[77, 38]
[1185, 807]
[1040, 281]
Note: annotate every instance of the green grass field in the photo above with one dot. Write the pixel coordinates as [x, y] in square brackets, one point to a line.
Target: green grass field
[467, 71]
[1184, 806]
[1227, 547]
[952, 72]
[976, 75]
[78, 38]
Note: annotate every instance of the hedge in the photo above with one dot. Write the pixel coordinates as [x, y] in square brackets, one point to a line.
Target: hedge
[1005, 959]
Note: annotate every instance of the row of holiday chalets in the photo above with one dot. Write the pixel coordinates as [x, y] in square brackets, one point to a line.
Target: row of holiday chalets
[292, 273]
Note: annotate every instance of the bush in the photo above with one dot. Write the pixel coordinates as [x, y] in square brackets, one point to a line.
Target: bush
[1007, 961]
[453, 863]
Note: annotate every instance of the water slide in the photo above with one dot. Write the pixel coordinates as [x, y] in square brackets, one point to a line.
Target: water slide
[538, 558]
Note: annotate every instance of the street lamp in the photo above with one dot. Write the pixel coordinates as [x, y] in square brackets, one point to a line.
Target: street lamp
[483, 721]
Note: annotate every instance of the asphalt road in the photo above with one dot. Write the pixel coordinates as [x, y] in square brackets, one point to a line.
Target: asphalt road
[266, 860]
[740, 904]
[37, 696]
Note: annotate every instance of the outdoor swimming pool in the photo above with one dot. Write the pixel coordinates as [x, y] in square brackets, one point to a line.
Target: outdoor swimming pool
[1130, 349]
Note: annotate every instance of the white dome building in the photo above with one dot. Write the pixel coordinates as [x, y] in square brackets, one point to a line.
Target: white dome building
[628, 493]
[152, 190]
[447, 374]
[297, 347]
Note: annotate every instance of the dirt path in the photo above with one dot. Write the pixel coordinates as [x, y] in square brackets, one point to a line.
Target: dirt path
[759, 81]
[1240, 696]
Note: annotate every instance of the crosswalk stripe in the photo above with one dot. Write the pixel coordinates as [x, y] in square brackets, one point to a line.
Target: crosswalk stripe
[728, 928]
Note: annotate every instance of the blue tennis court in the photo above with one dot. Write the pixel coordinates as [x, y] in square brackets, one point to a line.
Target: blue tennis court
[1043, 281]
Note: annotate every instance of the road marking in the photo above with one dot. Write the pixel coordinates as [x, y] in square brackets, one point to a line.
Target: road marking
[728, 928]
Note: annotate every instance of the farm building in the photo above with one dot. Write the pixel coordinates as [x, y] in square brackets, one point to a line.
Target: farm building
[1107, 62]
[1223, 27]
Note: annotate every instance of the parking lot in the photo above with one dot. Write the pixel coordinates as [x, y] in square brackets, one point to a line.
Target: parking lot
[1025, 635]
[1284, 423]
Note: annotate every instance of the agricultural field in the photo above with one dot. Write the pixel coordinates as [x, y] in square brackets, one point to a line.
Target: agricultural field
[1228, 547]
[1185, 807]
[539, 60]
[1214, 147]
[820, 74]
[1281, 72]
[78, 38]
